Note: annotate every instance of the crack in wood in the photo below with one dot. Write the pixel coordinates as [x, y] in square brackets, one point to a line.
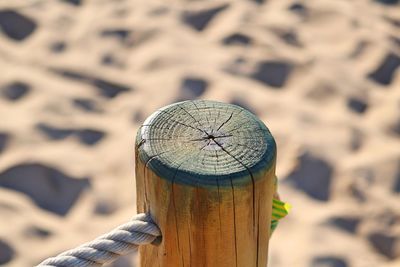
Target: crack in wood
[250, 173]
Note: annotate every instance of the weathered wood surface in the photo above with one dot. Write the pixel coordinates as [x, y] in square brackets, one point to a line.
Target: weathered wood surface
[205, 171]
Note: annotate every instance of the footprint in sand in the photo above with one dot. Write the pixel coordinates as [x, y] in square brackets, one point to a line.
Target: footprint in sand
[237, 39]
[57, 192]
[272, 73]
[384, 73]
[15, 25]
[345, 223]
[6, 253]
[385, 243]
[192, 87]
[15, 91]
[199, 20]
[357, 105]
[86, 136]
[313, 176]
[106, 88]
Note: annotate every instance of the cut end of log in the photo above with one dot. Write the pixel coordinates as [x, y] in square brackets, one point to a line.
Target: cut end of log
[205, 143]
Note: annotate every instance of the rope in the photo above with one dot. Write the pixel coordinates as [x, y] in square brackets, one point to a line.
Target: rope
[139, 231]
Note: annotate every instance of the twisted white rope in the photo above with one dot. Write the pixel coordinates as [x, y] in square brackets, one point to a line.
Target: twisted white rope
[106, 248]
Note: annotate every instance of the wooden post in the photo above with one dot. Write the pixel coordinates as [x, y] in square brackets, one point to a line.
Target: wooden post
[205, 172]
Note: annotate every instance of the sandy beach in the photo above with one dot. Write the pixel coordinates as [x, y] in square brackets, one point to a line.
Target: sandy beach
[78, 77]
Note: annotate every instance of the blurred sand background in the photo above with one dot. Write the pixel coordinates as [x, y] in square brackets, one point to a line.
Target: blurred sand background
[78, 77]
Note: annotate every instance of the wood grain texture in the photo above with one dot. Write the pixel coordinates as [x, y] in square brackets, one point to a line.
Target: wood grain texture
[205, 172]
